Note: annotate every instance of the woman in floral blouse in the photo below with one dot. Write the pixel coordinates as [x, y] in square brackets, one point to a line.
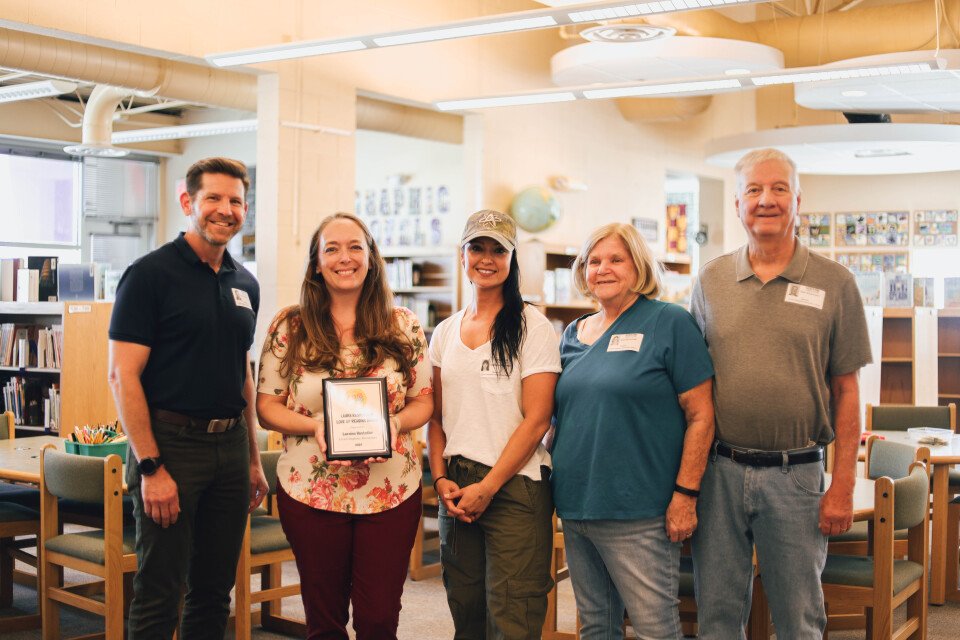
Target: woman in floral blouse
[351, 525]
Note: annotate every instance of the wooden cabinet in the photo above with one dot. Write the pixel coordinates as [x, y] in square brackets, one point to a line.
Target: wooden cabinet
[85, 396]
[546, 280]
[897, 357]
[948, 356]
[426, 280]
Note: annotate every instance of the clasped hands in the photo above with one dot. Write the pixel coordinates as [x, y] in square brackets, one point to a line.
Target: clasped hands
[466, 504]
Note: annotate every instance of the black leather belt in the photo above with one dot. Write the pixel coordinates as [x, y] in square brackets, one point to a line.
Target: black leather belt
[755, 458]
[217, 425]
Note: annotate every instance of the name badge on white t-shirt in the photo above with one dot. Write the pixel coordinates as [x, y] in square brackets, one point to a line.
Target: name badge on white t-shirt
[625, 342]
[241, 299]
[807, 296]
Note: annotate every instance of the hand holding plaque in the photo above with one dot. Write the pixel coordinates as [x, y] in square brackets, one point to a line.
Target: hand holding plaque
[356, 419]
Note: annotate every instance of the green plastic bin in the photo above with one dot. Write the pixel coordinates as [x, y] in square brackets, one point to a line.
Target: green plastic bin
[97, 450]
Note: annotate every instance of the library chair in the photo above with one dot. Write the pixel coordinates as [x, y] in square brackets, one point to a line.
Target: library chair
[27, 496]
[428, 537]
[900, 417]
[883, 458]
[17, 521]
[879, 582]
[558, 572]
[106, 553]
[265, 549]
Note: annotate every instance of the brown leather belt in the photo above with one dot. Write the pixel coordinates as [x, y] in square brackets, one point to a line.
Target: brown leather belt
[217, 425]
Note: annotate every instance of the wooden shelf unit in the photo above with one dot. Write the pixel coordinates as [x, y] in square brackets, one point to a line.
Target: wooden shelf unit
[439, 284]
[897, 360]
[85, 396]
[948, 356]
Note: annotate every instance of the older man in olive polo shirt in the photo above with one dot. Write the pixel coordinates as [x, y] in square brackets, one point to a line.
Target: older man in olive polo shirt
[788, 336]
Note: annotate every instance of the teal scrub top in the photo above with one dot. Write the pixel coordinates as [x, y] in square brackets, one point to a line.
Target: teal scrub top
[619, 425]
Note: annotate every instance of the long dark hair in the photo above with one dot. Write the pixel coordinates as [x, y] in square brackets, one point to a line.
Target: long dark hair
[510, 326]
[314, 343]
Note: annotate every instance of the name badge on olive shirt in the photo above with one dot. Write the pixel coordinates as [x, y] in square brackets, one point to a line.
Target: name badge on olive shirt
[625, 342]
[242, 299]
[807, 296]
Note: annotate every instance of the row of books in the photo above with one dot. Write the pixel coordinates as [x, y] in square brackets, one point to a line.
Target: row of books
[402, 274]
[46, 279]
[31, 345]
[425, 310]
[32, 403]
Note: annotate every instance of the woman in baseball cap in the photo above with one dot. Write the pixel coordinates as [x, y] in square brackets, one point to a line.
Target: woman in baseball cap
[497, 362]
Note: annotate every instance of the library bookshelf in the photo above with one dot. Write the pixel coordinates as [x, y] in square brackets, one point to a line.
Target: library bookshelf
[85, 396]
[948, 356]
[426, 280]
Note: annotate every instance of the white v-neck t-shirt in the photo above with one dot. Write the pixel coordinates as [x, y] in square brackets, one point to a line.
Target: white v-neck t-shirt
[481, 409]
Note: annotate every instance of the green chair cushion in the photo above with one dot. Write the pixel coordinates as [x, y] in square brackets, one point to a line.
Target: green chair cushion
[903, 417]
[686, 576]
[857, 571]
[266, 535]
[88, 545]
[858, 533]
[12, 512]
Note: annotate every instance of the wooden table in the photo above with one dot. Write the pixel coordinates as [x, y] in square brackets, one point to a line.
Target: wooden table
[20, 458]
[942, 458]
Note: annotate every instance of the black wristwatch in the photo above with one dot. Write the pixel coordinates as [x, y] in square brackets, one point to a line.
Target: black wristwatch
[149, 466]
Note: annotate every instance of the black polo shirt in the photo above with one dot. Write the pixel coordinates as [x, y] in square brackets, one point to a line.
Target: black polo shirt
[198, 324]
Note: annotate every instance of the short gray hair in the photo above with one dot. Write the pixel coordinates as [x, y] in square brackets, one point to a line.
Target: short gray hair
[757, 156]
[649, 278]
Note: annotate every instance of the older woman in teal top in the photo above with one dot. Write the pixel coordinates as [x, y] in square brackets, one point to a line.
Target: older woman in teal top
[634, 425]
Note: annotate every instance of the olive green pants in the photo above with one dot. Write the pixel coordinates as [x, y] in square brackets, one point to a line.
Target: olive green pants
[497, 570]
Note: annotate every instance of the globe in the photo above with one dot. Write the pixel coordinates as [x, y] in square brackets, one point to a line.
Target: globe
[535, 208]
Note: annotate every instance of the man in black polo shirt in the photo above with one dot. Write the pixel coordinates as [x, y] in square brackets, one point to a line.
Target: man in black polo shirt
[182, 324]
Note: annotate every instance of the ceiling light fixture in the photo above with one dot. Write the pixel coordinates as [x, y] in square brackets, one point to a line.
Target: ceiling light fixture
[690, 86]
[853, 93]
[184, 131]
[32, 90]
[501, 23]
[506, 101]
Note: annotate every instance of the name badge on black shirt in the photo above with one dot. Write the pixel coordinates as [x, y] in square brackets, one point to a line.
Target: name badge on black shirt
[241, 299]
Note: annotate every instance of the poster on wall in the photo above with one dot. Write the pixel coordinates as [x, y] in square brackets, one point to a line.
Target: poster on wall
[937, 228]
[814, 229]
[404, 216]
[874, 229]
[865, 262]
[676, 228]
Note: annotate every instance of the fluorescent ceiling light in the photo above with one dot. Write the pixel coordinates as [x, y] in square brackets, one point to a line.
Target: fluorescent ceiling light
[662, 89]
[681, 86]
[506, 101]
[487, 25]
[31, 90]
[467, 31]
[843, 74]
[184, 131]
[853, 93]
[285, 52]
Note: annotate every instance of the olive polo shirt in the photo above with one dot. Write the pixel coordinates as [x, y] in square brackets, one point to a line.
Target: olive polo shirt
[775, 346]
[199, 325]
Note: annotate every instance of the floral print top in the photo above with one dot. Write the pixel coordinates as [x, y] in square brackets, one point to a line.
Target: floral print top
[360, 488]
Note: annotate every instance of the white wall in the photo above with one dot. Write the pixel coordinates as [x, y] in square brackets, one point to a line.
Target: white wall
[382, 157]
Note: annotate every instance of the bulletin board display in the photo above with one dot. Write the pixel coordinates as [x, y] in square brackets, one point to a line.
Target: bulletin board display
[935, 228]
[874, 261]
[814, 229]
[873, 229]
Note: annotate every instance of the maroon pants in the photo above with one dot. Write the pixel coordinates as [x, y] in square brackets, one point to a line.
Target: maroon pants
[344, 558]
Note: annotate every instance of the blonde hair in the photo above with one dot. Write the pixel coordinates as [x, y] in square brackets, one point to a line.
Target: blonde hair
[758, 156]
[649, 278]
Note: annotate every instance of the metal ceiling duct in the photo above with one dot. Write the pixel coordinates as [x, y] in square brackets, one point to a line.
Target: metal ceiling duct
[406, 120]
[198, 84]
[98, 123]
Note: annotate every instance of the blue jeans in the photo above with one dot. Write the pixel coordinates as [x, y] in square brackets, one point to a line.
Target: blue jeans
[777, 510]
[617, 564]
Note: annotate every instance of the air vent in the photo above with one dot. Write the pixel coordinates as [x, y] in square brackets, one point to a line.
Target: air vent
[626, 32]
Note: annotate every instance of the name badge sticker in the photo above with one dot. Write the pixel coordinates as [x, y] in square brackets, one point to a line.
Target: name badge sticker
[625, 342]
[241, 299]
[807, 296]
